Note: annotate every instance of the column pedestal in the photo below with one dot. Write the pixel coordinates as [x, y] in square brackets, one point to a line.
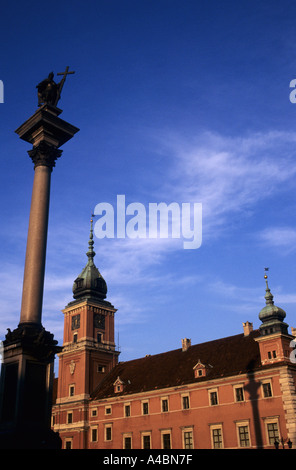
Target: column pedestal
[26, 389]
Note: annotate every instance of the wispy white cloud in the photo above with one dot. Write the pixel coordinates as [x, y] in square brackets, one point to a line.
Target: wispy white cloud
[283, 238]
[229, 175]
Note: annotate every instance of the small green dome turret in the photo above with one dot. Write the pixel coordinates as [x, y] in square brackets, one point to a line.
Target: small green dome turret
[90, 283]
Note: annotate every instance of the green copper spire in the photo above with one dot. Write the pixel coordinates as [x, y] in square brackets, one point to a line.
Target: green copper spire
[90, 283]
[271, 316]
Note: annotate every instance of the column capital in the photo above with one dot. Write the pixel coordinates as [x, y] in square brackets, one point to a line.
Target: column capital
[44, 155]
[46, 126]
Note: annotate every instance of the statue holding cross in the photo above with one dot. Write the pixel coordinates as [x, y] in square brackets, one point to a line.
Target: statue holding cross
[49, 92]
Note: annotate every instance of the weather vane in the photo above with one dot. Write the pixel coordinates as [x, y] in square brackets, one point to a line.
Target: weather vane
[49, 92]
[265, 275]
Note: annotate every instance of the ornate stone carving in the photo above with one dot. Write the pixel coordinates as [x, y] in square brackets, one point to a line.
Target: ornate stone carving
[44, 155]
[72, 366]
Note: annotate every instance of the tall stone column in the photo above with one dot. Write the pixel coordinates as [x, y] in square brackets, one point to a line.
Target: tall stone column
[27, 372]
[31, 309]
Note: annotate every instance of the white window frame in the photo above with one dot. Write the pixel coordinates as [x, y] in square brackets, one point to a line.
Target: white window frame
[184, 430]
[185, 395]
[91, 433]
[68, 440]
[162, 433]
[142, 406]
[162, 399]
[108, 407]
[129, 435]
[239, 424]
[235, 387]
[71, 387]
[213, 390]
[271, 420]
[125, 405]
[93, 412]
[212, 428]
[263, 382]
[143, 434]
[108, 426]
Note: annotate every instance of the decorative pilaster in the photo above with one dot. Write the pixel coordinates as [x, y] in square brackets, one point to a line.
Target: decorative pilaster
[287, 384]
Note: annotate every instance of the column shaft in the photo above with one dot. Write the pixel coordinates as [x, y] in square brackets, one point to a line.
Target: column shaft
[33, 283]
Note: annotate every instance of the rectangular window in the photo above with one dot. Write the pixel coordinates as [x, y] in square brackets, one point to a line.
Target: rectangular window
[68, 444]
[94, 435]
[146, 441]
[108, 410]
[108, 433]
[214, 398]
[94, 412]
[127, 442]
[145, 407]
[166, 440]
[99, 337]
[127, 411]
[72, 390]
[273, 432]
[243, 436]
[185, 402]
[266, 387]
[70, 418]
[164, 405]
[188, 439]
[217, 437]
[239, 394]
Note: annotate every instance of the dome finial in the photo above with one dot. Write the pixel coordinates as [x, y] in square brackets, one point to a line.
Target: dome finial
[265, 275]
[91, 254]
[268, 295]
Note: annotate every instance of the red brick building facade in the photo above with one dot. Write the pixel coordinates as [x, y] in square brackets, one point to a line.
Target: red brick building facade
[234, 392]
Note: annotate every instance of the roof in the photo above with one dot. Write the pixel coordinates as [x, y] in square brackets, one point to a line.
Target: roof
[225, 357]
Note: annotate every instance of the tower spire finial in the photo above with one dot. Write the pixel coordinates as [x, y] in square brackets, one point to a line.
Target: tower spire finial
[91, 254]
[268, 295]
[90, 282]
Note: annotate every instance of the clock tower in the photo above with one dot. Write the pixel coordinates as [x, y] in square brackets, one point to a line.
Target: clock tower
[89, 351]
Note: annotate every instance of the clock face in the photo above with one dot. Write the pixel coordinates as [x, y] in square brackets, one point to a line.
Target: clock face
[99, 321]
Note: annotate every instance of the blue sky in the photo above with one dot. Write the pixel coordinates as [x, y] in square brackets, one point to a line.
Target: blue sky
[176, 101]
